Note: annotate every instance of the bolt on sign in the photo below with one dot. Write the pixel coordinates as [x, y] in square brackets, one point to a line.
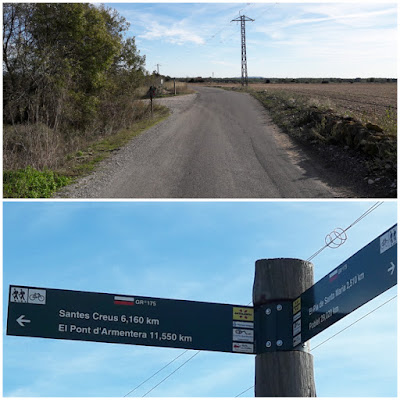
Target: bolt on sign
[101, 317]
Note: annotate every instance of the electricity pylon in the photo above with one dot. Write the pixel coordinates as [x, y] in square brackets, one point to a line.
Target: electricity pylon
[243, 19]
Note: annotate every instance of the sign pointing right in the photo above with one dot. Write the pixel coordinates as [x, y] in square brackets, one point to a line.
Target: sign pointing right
[392, 268]
[362, 277]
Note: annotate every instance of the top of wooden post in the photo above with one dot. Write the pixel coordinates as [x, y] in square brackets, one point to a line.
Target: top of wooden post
[281, 279]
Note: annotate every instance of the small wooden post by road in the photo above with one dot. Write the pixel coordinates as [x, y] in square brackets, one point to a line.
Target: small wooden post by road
[152, 93]
[174, 88]
[283, 373]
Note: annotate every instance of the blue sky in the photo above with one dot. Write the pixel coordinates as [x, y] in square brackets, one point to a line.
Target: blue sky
[202, 251]
[312, 39]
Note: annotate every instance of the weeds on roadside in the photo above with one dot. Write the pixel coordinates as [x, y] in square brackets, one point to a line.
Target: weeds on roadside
[85, 160]
[180, 87]
[388, 122]
[30, 183]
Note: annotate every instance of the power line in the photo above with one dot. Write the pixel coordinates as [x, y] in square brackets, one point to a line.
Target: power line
[347, 327]
[165, 366]
[373, 208]
[225, 26]
[265, 11]
[158, 384]
[247, 5]
[337, 333]
[194, 355]
[251, 387]
[216, 33]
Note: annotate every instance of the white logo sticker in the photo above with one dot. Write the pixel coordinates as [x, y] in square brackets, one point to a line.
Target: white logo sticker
[297, 340]
[242, 347]
[297, 327]
[243, 335]
[240, 324]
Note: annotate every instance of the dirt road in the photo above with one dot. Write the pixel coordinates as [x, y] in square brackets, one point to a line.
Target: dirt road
[216, 144]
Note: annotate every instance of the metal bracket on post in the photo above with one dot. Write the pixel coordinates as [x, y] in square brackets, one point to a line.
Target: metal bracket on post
[274, 327]
[281, 370]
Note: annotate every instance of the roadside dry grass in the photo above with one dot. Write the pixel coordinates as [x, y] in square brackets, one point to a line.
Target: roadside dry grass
[181, 88]
[165, 90]
[84, 161]
[62, 168]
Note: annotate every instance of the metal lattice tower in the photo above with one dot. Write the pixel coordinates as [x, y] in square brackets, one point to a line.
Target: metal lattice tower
[243, 20]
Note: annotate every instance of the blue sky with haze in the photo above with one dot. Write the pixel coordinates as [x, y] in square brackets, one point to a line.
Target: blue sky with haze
[328, 39]
[202, 251]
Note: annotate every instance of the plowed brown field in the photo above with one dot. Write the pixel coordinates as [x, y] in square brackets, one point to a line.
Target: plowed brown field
[364, 101]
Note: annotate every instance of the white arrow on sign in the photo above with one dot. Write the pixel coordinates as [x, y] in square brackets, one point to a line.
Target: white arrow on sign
[21, 321]
[391, 269]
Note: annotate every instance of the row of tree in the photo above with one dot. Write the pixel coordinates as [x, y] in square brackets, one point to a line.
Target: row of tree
[63, 63]
[200, 79]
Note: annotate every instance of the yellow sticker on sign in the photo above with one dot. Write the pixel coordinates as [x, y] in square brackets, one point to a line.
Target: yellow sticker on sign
[297, 305]
[243, 314]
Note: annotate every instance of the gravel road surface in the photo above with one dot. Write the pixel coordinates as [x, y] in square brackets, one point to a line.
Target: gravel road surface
[216, 144]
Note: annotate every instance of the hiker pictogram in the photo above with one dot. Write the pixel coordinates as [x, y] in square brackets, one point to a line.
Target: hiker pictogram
[18, 295]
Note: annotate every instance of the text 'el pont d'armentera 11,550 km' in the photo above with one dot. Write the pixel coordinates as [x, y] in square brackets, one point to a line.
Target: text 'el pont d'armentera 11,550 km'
[136, 320]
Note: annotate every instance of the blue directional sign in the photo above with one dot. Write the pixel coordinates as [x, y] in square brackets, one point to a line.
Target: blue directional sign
[365, 275]
[102, 317]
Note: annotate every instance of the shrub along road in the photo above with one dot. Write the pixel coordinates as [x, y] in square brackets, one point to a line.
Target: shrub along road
[216, 144]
